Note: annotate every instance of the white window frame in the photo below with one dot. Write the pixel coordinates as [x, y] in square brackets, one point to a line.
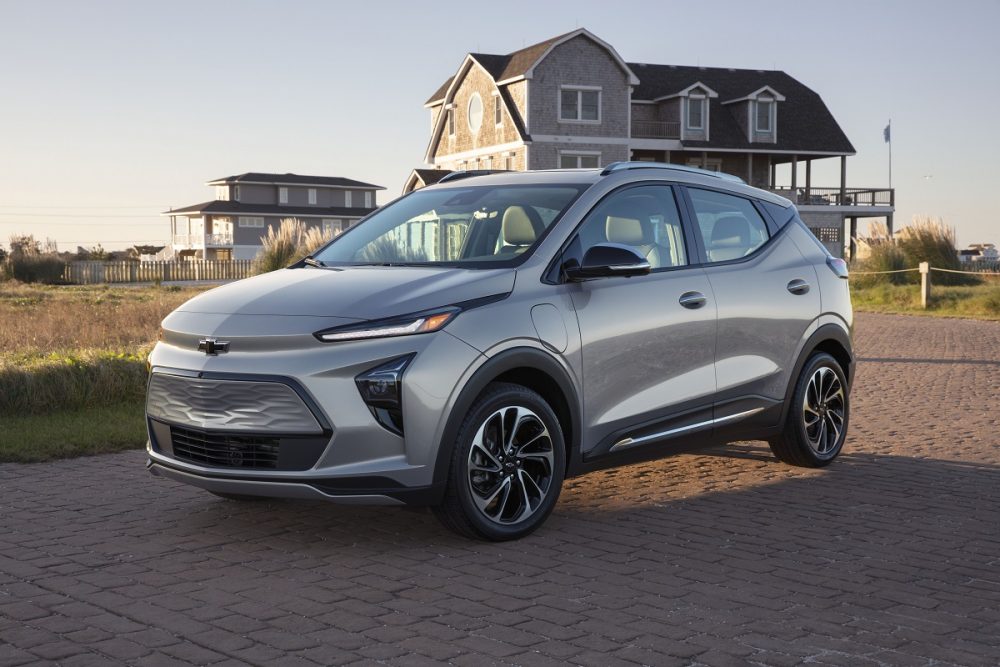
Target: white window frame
[334, 226]
[579, 104]
[282, 195]
[347, 199]
[252, 221]
[578, 155]
[704, 113]
[368, 199]
[312, 196]
[770, 102]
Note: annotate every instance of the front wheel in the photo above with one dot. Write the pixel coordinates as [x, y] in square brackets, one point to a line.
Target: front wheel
[507, 466]
[816, 426]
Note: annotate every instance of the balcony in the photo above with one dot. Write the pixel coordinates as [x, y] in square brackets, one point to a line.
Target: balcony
[860, 197]
[218, 240]
[203, 240]
[656, 129]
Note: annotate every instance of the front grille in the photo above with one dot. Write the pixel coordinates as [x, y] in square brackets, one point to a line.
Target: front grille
[226, 451]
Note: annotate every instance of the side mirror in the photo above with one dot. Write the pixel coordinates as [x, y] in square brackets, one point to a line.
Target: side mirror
[605, 260]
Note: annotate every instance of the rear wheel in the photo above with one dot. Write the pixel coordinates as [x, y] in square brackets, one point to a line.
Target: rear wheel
[507, 466]
[816, 426]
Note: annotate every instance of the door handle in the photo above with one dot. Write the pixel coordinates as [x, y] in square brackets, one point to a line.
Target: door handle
[798, 286]
[692, 300]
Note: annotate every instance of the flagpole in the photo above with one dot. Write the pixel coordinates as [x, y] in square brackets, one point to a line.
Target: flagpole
[890, 153]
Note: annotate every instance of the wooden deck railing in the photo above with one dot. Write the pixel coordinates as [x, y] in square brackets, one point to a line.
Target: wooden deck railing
[656, 129]
[838, 197]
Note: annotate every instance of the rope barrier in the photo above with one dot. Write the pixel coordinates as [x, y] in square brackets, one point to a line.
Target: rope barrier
[873, 273]
[971, 273]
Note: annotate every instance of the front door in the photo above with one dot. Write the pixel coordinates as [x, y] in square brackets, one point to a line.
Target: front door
[648, 342]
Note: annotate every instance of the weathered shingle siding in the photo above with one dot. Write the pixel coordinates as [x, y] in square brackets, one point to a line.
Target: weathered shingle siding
[580, 61]
[476, 80]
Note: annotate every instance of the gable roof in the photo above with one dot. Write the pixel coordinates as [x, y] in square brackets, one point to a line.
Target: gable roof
[805, 122]
[293, 179]
[520, 63]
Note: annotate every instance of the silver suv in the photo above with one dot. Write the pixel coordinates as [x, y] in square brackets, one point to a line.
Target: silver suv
[472, 344]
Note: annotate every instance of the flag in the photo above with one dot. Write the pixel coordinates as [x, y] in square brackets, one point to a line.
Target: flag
[887, 134]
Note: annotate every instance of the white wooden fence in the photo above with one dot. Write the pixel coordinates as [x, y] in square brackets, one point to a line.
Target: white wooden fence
[86, 273]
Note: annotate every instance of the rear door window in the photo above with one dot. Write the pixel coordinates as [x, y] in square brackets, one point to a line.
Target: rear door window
[730, 226]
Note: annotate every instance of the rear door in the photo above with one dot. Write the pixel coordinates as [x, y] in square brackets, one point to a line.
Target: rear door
[648, 342]
[767, 297]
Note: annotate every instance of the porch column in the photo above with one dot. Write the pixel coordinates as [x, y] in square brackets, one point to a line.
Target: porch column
[668, 157]
[854, 236]
[750, 168]
[809, 179]
[704, 159]
[795, 178]
[843, 179]
[772, 172]
[888, 224]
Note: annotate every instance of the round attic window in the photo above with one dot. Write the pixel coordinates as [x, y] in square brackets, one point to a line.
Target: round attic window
[475, 112]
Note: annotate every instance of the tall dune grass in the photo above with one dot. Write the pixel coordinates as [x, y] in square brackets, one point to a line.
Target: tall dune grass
[926, 239]
[287, 244]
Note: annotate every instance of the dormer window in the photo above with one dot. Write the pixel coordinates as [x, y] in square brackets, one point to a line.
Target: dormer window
[695, 116]
[764, 115]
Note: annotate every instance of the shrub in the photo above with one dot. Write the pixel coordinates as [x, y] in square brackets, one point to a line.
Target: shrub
[930, 240]
[47, 269]
[878, 252]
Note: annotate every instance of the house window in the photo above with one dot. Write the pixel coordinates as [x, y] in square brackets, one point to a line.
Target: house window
[475, 113]
[347, 198]
[696, 113]
[312, 196]
[765, 107]
[222, 192]
[451, 122]
[331, 227]
[580, 104]
[497, 110]
[282, 195]
[368, 199]
[236, 192]
[579, 160]
[251, 221]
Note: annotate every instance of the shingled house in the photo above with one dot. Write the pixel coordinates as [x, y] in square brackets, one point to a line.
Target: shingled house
[573, 102]
[246, 205]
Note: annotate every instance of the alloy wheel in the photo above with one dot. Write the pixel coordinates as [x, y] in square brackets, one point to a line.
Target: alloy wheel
[510, 465]
[823, 411]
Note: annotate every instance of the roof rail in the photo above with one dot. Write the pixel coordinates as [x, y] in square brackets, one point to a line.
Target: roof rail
[459, 175]
[623, 166]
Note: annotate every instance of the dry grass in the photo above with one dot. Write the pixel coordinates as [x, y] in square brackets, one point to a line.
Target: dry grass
[39, 320]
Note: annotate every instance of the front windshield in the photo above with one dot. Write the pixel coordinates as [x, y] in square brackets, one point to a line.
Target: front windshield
[473, 227]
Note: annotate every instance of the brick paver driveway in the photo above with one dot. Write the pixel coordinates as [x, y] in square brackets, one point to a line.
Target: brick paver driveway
[891, 556]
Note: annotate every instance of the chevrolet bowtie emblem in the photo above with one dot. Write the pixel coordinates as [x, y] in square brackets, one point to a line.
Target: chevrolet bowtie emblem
[212, 347]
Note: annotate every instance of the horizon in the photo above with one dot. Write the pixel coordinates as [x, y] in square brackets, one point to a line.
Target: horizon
[105, 128]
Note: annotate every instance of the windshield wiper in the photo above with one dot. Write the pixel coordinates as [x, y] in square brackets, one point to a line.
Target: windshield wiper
[312, 261]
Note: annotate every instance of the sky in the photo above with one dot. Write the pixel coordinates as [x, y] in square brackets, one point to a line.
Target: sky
[112, 112]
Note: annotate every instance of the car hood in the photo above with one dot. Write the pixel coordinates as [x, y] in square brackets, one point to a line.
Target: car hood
[357, 292]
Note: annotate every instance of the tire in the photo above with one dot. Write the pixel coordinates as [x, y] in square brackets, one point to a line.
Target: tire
[495, 494]
[817, 421]
[237, 496]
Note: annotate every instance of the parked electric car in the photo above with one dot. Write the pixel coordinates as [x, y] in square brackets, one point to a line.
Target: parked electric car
[474, 343]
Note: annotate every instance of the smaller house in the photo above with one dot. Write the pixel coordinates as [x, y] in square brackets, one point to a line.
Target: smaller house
[247, 205]
[980, 252]
[421, 178]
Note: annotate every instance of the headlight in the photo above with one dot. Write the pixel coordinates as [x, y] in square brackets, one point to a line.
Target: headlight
[406, 325]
